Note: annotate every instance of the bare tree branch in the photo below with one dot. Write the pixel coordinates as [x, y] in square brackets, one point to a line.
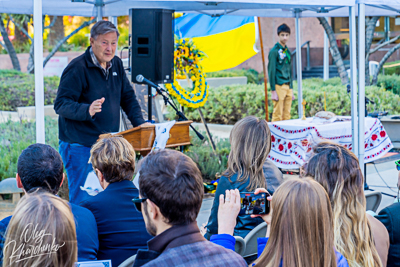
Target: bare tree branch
[10, 48]
[21, 28]
[59, 44]
[369, 36]
[52, 23]
[383, 44]
[337, 58]
[384, 59]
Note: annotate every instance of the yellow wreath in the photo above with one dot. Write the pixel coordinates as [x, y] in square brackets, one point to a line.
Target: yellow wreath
[186, 65]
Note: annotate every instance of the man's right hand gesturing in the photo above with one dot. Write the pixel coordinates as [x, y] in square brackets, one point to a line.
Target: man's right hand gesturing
[95, 107]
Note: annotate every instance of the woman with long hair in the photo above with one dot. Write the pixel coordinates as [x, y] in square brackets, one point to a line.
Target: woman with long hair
[357, 235]
[41, 233]
[300, 227]
[250, 141]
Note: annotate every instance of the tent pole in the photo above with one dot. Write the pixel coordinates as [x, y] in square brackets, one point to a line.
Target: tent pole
[264, 70]
[114, 20]
[361, 83]
[99, 5]
[99, 14]
[298, 63]
[38, 57]
[326, 56]
[353, 78]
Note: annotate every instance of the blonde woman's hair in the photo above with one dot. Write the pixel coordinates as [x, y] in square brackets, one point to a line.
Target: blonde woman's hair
[114, 157]
[250, 141]
[43, 227]
[336, 168]
[301, 227]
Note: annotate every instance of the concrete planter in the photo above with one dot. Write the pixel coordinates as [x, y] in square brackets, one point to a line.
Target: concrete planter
[29, 113]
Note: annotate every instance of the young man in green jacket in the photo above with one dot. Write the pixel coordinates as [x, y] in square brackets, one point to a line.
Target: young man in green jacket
[280, 76]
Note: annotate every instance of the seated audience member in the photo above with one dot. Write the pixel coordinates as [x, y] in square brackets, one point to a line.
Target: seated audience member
[390, 217]
[250, 141]
[361, 238]
[121, 228]
[40, 167]
[300, 226]
[171, 194]
[273, 176]
[41, 233]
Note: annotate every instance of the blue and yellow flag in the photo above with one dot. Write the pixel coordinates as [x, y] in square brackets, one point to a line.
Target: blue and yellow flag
[227, 41]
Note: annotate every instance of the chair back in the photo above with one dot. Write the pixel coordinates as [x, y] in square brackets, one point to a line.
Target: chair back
[374, 199]
[240, 245]
[251, 239]
[128, 262]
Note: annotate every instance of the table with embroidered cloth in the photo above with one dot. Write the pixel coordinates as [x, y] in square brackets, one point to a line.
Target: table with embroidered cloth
[292, 140]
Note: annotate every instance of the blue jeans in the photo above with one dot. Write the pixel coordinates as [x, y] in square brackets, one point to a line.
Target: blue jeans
[76, 158]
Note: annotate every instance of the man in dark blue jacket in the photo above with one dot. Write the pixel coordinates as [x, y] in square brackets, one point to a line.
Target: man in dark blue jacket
[92, 89]
[40, 167]
[390, 217]
[121, 227]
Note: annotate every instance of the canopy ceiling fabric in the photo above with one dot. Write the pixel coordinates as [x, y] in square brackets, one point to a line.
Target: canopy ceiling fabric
[271, 8]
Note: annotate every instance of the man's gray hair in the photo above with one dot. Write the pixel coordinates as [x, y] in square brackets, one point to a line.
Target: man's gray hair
[103, 27]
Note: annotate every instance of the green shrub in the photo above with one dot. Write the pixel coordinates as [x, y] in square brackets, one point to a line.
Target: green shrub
[228, 104]
[15, 137]
[17, 89]
[390, 82]
[210, 165]
[252, 75]
[392, 70]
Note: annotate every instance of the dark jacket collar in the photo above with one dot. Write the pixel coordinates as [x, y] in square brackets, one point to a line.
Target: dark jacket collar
[176, 236]
[88, 58]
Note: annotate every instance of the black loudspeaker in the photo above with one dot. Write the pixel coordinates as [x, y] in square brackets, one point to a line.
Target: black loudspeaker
[152, 44]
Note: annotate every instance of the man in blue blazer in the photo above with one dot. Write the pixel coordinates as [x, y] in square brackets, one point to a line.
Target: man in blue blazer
[390, 217]
[122, 230]
[40, 167]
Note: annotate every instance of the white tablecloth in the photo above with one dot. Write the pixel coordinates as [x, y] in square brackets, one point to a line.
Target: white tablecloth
[292, 140]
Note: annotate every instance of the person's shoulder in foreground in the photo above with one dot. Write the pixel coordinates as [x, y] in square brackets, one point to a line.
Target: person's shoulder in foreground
[171, 193]
[390, 217]
[86, 234]
[203, 253]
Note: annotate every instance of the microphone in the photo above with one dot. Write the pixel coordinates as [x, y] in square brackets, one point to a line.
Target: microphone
[141, 79]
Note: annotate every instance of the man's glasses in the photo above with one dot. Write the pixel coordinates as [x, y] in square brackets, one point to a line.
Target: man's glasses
[138, 203]
[397, 164]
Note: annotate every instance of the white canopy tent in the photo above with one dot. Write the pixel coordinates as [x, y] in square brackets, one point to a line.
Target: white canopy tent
[262, 8]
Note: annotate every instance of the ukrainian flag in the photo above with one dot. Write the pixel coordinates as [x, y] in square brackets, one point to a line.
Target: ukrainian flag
[227, 41]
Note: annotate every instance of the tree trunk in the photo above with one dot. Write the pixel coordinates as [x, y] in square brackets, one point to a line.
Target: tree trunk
[31, 62]
[337, 58]
[57, 31]
[10, 48]
[384, 59]
[369, 36]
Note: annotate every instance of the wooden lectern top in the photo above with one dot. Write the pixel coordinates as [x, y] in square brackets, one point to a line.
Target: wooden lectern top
[142, 137]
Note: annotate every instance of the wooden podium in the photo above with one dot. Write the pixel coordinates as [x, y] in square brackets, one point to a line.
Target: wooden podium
[142, 137]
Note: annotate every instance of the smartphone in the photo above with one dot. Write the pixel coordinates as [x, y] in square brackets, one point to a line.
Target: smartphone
[254, 204]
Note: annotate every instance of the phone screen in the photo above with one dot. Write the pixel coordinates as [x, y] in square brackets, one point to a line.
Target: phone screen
[254, 204]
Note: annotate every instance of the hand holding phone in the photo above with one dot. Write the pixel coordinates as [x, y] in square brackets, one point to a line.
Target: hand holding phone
[254, 203]
[228, 210]
[268, 215]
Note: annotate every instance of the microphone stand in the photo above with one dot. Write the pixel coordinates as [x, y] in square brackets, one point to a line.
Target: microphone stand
[181, 116]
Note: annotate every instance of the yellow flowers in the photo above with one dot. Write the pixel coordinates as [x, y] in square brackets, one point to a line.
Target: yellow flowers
[186, 65]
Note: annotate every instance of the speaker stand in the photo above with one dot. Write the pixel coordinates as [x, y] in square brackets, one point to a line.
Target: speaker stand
[149, 105]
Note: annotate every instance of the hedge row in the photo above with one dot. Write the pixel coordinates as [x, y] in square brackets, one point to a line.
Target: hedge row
[228, 104]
